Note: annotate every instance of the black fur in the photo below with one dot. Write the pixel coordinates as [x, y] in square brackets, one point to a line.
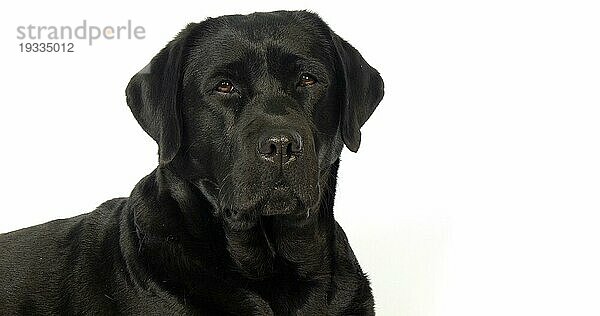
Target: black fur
[216, 229]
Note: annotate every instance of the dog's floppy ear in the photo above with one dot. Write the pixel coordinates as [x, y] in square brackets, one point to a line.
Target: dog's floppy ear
[363, 90]
[152, 96]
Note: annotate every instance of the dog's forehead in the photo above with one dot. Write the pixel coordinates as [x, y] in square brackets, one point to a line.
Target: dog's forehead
[229, 38]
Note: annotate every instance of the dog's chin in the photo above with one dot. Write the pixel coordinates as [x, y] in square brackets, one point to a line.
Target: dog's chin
[280, 201]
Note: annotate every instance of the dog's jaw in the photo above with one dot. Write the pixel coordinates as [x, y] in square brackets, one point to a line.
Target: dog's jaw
[257, 247]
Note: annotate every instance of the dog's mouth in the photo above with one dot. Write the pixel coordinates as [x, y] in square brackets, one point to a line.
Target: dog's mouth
[279, 201]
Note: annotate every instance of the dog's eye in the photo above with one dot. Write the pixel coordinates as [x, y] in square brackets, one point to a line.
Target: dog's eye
[225, 86]
[307, 80]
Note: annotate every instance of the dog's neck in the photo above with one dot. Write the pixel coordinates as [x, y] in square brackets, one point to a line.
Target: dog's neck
[172, 215]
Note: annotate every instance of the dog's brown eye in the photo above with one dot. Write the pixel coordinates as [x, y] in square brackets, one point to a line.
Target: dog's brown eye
[307, 80]
[224, 86]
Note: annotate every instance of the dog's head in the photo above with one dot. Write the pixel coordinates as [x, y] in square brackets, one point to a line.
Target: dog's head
[255, 109]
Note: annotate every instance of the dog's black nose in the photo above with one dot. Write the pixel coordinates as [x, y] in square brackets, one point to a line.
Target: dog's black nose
[281, 146]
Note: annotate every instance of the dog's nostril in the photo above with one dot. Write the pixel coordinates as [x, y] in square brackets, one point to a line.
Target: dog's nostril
[267, 147]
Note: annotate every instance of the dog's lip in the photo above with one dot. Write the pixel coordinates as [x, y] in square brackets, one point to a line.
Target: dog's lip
[280, 198]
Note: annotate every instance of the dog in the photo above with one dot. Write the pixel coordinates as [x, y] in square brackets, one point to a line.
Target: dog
[250, 114]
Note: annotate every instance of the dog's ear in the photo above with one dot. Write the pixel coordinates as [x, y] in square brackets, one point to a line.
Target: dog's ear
[362, 91]
[153, 96]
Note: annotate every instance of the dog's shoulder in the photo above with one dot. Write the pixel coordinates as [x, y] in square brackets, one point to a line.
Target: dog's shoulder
[41, 266]
[50, 238]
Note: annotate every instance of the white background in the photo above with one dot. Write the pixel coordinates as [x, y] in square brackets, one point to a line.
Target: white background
[475, 191]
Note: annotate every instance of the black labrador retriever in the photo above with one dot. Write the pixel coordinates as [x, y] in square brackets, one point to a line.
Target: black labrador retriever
[250, 113]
